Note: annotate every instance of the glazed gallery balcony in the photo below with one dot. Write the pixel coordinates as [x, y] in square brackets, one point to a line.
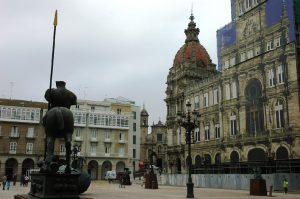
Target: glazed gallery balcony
[20, 114]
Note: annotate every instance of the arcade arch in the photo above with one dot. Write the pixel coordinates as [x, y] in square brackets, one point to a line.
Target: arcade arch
[93, 169]
[106, 166]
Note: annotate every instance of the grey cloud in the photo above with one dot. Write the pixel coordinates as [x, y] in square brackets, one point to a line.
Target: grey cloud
[104, 48]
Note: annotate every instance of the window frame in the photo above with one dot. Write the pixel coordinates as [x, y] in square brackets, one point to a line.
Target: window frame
[196, 102]
[13, 146]
[216, 96]
[207, 132]
[29, 147]
[271, 77]
[205, 100]
[279, 114]
[280, 76]
[233, 124]
[217, 131]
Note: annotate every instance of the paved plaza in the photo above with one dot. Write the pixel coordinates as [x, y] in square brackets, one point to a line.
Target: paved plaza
[104, 190]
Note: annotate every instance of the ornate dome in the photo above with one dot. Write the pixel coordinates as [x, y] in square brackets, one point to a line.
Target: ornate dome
[144, 111]
[192, 50]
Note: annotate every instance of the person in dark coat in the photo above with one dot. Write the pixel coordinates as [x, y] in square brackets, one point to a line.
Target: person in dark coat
[22, 179]
[4, 180]
[14, 180]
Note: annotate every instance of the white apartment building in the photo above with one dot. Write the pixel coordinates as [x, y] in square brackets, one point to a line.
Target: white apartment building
[108, 133]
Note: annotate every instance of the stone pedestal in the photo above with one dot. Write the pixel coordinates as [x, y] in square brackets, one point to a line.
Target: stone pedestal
[258, 187]
[126, 180]
[53, 186]
[151, 181]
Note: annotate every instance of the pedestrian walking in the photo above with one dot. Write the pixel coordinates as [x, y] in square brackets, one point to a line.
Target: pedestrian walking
[7, 184]
[285, 185]
[4, 179]
[121, 181]
[15, 179]
[22, 179]
[9, 177]
[26, 181]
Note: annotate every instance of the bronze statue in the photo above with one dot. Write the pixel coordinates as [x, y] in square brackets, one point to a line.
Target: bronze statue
[58, 123]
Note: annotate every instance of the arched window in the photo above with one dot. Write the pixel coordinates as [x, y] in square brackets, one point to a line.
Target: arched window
[207, 159]
[280, 79]
[254, 108]
[217, 131]
[256, 154]
[198, 162]
[207, 132]
[279, 114]
[178, 136]
[234, 157]
[218, 159]
[233, 126]
[197, 135]
[282, 153]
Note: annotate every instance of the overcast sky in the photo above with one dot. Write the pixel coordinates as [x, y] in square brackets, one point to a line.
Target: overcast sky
[104, 48]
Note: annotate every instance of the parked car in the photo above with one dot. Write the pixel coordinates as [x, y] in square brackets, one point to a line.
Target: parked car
[110, 175]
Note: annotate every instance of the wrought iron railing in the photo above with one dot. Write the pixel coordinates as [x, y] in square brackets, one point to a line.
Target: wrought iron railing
[267, 167]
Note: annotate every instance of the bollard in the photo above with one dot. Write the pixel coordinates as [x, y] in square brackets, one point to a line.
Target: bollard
[270, 191]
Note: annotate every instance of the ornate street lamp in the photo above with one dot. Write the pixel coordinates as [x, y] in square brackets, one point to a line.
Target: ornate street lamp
[185, 120]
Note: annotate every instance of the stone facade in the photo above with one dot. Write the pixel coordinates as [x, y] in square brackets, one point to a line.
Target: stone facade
[104, 130]
[22, 136]
[250, 108]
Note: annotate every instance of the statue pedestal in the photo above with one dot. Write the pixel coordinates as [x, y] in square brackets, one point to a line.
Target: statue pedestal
[127, 180]
[258, 187]
[151, 181]
[54, 186]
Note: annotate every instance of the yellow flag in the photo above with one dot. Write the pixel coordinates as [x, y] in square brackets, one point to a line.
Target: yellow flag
[55, 19]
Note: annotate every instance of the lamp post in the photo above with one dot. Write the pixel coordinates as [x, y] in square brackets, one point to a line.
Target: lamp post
[152, 155]
[185, 120]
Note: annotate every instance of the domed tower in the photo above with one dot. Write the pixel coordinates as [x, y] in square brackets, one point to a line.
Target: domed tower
[144, 117]
[144, 133]
[191, 65]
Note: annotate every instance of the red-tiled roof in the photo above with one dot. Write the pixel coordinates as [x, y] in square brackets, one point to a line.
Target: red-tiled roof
[192, 51]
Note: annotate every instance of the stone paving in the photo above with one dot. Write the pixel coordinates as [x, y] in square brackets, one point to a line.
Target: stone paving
[104, 190]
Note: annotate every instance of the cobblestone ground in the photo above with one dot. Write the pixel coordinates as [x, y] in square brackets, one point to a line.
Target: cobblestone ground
[104, 190]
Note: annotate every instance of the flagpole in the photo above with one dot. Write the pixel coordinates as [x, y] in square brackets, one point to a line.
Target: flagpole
[51, 73]
[52, 58]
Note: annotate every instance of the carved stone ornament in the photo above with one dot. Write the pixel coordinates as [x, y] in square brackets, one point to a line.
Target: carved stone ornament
[250, 28]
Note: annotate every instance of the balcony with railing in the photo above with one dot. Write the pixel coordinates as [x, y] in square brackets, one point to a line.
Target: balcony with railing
[12, 151]
[14, 134]
[93, 154]
[94, 139]
[121, 155]
[20, 114]
[100, 120]
[78, 138]
[29, 152]
[121, 141]
[79, 117]
[30, 136]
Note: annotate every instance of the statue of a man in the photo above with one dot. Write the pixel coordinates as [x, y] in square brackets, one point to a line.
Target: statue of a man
[58, 123]
[60, 97]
